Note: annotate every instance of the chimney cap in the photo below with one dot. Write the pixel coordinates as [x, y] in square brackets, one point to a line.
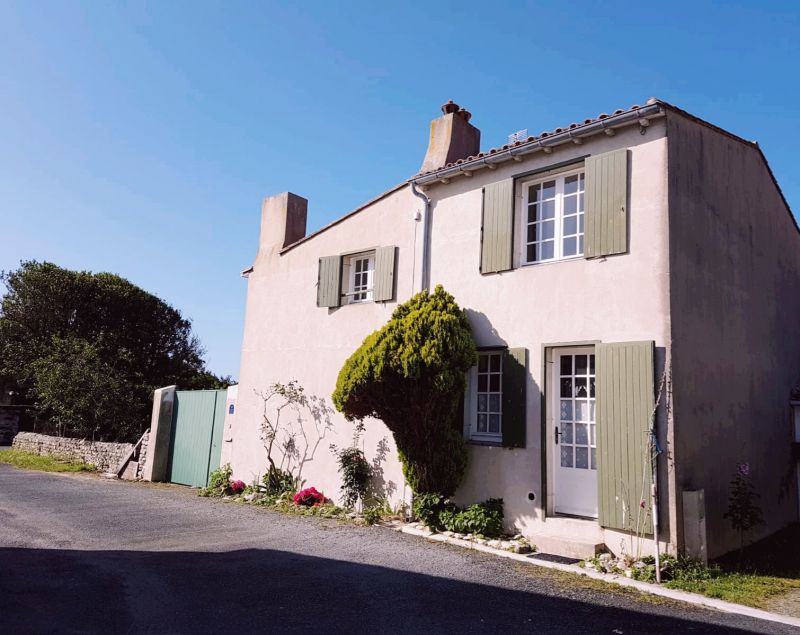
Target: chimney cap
[450, 107]
[466, 115]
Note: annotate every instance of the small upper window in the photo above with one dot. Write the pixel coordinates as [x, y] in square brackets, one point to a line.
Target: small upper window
[357, 277]
[553, 216]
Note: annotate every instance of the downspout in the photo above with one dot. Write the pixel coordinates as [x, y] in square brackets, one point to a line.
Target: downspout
[425, 271]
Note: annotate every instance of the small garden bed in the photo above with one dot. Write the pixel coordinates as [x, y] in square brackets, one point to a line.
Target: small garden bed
[43, 463]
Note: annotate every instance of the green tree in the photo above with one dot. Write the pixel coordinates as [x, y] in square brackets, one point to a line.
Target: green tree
[411, 375]
[89, 349]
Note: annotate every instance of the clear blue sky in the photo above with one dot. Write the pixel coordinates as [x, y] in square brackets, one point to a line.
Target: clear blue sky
[140, 137]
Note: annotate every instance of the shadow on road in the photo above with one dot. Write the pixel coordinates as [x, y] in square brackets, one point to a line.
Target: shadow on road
[275, 591]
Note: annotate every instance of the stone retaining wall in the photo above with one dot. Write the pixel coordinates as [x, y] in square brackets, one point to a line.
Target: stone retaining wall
[106, 456]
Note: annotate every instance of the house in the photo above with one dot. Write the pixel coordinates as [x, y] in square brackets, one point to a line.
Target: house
[638, 270]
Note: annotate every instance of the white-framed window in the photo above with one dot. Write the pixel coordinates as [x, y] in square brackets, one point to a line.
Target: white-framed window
[485, 397]
[553, 217]
[358, 274]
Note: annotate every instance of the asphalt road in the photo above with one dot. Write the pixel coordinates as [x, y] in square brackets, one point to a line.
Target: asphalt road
[80, 554]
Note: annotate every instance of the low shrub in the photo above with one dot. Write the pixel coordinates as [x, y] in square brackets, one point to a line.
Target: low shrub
[277, 481]
[219, 482]
[309, 497]
[438, 513]
[355, 471]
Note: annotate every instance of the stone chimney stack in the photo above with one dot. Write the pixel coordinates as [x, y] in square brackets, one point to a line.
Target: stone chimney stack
[452, 138]
[283, 222]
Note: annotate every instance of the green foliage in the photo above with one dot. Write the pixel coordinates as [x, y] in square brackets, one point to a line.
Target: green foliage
[410, 374]
[43, 463]
[219, 482]
[743, 512]
[438, 513]
[356, 472]
[277, 481]
[89, 349]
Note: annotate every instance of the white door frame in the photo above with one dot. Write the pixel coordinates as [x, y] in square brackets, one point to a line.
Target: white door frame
[587, 482]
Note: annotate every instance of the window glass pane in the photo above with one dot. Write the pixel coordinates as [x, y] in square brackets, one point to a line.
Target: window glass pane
[580, 202]
[580, 245]
[483, 363]
[566, 456]
[533, 193]
[494, 403]
[593, 452]
[581, 364]
[566, 410]
[531, 255]
[531, 233]
[532, 213]
[570, 205]
[482, 402]
[580, 387]
[571, 184]
[494, 423]
[547, 210]
[547, 229]
[548, 189]
[581, 410]
[546, 250]
[482, 423]
[581, 434]
[494, 383]
[566, 364]
[566, 387]
[494, 366]
[570, 225]
[580, 223]
[566, 433]
[483, 383]
[582, 458]
[570, 247]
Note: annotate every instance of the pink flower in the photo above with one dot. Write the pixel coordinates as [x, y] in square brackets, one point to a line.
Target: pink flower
[743, 469]
[237, 486]
[309, 497]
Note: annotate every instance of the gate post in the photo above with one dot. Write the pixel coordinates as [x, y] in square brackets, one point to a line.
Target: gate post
[157, 458]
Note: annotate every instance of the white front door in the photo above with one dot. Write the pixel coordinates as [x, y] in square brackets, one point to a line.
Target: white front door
[573, 432]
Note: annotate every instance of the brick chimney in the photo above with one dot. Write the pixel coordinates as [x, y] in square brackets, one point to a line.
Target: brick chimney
[283, 222]
[452, 138]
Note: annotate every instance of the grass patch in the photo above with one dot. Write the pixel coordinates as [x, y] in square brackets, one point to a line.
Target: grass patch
[46, 463]
[741, 588]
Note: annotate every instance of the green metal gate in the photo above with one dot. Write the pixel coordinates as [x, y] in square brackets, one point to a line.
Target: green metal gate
[198, 417]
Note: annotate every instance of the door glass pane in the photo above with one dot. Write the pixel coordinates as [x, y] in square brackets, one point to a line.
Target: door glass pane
[566, 387]
[566, 364]
[580, 387]
[594, 458]
[566, 433]
[582, 458]
[566, 410]
[580, 364]
[566, 456]
[581, 434]
[591, 387]
[581, 410]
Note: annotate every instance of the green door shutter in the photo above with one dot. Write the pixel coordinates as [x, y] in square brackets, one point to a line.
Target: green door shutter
[329, 281]
[606, 204]
[625, 402]
[497, 227]
[515, 380]
[383, 287]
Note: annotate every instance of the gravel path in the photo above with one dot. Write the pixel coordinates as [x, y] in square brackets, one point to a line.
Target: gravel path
[80, 554]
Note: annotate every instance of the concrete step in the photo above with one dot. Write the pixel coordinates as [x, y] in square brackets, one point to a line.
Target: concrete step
[566, 546]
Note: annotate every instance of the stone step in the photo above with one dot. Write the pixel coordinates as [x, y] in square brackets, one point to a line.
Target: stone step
[566, 546]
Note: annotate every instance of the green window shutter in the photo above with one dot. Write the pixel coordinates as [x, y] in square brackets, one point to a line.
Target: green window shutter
[625, 401]
[515, 380]
[606, 204]
[497, 228]
[329, 281]
[383, 285]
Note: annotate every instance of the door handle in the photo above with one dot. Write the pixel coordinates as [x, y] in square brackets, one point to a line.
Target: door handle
[556, 434]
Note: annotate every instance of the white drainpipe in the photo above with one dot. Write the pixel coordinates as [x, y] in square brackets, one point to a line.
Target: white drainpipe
[425, 270]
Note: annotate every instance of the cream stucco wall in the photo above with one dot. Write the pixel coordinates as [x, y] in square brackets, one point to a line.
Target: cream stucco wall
[286, 336]
[615, 299]
[620, 298]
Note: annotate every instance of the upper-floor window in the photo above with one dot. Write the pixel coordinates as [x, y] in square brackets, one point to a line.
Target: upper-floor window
[358, 274]
[553, 218]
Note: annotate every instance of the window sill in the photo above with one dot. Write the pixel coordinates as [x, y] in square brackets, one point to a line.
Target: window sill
[554, 261]
[494, 443]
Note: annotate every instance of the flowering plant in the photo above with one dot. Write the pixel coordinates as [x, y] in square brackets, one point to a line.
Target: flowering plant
[237, 486]
[744, 512]
[309, 497]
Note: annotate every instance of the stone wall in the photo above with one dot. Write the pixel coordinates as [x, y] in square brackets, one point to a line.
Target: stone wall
[106, 456]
